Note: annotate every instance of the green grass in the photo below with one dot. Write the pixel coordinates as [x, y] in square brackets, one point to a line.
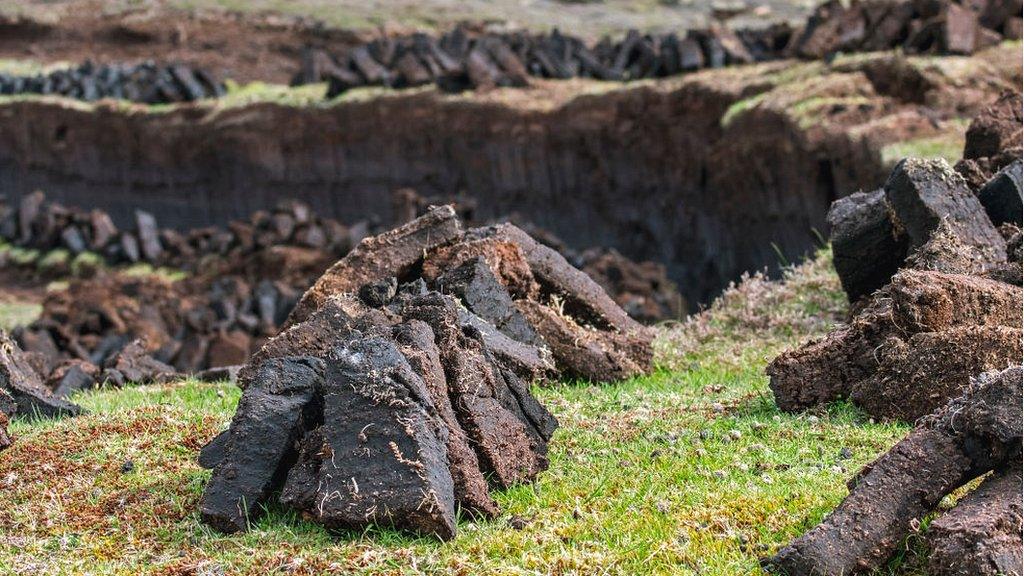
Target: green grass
[948, 145]
[17, 313]
[691, 470]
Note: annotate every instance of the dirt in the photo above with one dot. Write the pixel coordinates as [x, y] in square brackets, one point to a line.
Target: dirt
[244, 47]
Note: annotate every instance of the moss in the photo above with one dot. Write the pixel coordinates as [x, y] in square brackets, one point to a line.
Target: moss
[740, 107]
[86, 264]
[55, 260]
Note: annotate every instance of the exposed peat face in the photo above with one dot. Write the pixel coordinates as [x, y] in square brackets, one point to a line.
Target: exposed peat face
[712, 175]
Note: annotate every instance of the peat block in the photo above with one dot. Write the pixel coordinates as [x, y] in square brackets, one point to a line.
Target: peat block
[971, 435]
[867, 249]
[430, 340]
[24, 386]
[923, 193]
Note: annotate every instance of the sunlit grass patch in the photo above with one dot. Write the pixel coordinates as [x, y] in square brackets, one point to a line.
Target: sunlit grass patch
[17, 313]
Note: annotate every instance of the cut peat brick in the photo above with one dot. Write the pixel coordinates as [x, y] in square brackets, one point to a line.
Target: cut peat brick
[579, 352]
[416, 341]
[965, 323]
[826, 369]
[24, 386]
[584, 299]
[923, 193]
[925, 301]
[526, 360]
[388, 462]
[430, 342]
[7, 409]
[270, 417]
[508, 444]
[919, 375]
[981, 536]
[505, 260]
[315, 336]
[971, 435]
[480, 291]
[1001, 196]
[867, 249]
[393, 253]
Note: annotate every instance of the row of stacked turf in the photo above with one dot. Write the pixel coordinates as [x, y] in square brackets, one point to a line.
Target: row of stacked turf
[147, 83]
[464, 59]
[459, 59]
[932, 265]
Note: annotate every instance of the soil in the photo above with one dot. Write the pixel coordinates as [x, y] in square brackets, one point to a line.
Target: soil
[243, 47]
[655, 172]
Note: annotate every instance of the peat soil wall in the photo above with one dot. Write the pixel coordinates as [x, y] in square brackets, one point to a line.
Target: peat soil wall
[657, 171]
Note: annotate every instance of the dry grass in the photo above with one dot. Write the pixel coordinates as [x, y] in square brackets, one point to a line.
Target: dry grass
[758, 313]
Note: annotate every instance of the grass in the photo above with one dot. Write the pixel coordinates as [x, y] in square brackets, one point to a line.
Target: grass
[16, 312]
[949, 145]
[691, 470]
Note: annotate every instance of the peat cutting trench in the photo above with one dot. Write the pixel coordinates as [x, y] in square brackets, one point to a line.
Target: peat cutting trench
[713, 174]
